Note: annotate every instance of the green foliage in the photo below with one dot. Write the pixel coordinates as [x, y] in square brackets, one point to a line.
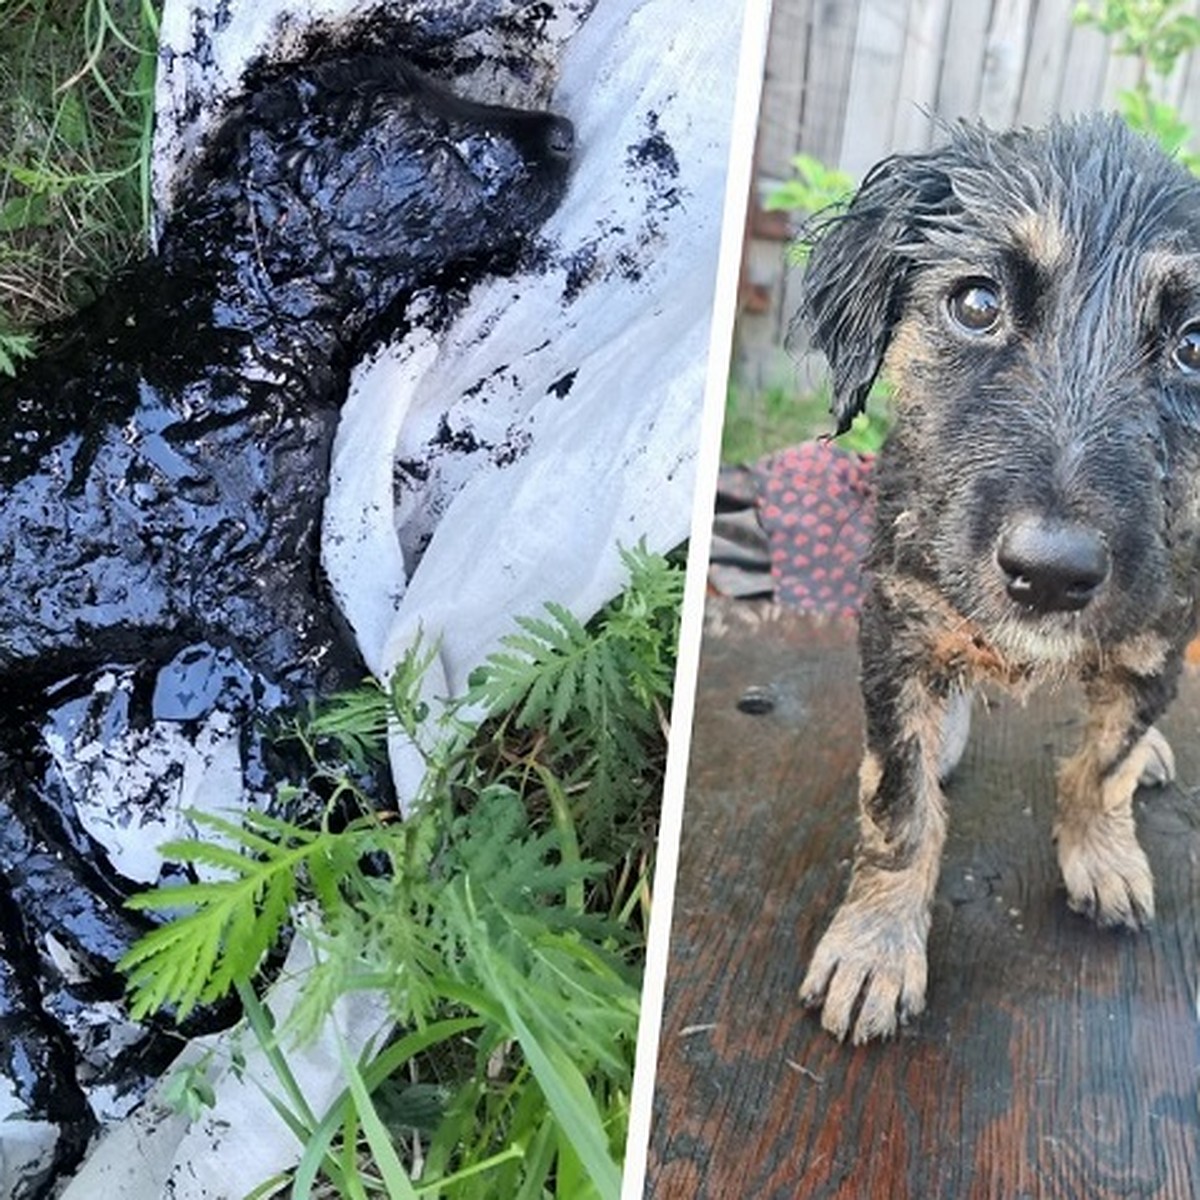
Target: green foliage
[812, 188]
[1156, 33]
[869, 429]
[232, 922]
[758, 424]
[76, 116]
[189, 1091]
[1161, 122]
[507, 946]
[13, 348]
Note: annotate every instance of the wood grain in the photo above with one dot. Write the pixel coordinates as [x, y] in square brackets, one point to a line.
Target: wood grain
[1054, 1060]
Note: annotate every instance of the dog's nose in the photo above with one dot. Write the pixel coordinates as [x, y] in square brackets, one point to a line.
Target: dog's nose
[1052, 566]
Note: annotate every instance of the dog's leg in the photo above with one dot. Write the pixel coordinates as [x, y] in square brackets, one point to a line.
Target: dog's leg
[869, 970]
[1105, 870]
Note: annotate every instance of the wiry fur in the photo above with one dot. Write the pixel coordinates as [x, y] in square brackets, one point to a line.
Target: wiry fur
[1078, 409]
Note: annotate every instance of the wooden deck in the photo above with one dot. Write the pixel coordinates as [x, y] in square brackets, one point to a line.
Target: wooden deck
[1054, 1059]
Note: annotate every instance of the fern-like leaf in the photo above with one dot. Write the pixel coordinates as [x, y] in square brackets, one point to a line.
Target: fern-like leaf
[201, 955]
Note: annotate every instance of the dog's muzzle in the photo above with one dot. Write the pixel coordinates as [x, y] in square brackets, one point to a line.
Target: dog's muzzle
[1052, 566]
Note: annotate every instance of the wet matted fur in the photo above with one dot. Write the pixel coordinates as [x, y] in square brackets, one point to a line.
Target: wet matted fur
[1034, 298]
[163, 461]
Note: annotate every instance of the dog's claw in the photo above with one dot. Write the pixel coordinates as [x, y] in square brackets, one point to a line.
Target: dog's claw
[1118, 903]
[1107, 873]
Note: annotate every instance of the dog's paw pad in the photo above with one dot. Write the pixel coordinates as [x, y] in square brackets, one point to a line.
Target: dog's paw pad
[1158, 767]
[868, 974]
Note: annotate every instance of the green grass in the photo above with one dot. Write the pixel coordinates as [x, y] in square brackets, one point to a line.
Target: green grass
[76, 116]
[758, 423]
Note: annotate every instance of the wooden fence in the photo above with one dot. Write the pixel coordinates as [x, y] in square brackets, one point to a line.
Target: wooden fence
[851, 81]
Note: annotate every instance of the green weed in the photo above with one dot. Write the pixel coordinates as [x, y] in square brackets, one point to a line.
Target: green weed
[814, 188]
[761, 423]
[76, 117]
[1156, 33]
[502, 919]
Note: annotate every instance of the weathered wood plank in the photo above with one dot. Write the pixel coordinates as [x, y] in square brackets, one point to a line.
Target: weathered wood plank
[924, 41]
[1049, 37]
[1004, 62]
[874, 84]
[1189, 103]
[831, 56]
[962, 60]
[1082, 87]
[1121, 72]
[1180, 89]
[1054, 1060]
[781, 109]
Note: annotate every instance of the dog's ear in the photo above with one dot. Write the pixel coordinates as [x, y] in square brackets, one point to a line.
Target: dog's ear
[858, 270]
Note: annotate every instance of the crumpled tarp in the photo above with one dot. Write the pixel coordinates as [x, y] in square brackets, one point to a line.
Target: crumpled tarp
[502, 464]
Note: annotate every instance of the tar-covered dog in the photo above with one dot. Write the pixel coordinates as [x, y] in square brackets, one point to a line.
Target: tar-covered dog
[1034, 298]
[163, 465]
[163, 462]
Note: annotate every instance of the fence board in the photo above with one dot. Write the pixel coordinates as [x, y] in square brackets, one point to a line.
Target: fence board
[783, 96]
[1082, 87]
[962, 60]
[1175, 88]
[923, 41]
[874, 84]
[1189, 103]
[1004, 62]
[832, 37]
[1050, 35]
[1119, 74]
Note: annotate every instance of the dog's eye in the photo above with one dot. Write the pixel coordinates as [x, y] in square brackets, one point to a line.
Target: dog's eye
[975, 306]
[1186, 355]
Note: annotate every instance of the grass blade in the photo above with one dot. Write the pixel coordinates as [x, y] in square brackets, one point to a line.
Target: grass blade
[395, 1178]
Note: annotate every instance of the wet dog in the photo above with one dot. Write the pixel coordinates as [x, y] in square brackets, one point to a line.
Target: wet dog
[1034, 297]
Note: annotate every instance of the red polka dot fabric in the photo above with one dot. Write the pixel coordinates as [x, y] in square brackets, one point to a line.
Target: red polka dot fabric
[815, 504]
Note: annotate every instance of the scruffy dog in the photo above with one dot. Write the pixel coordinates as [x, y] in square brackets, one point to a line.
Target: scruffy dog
[1034, 297]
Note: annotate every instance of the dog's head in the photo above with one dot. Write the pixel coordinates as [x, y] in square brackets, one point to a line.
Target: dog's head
[361, 177]
[1034, 297]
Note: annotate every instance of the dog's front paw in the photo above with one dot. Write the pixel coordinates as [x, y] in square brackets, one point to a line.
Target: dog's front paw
[1106, 872]
[868, 972]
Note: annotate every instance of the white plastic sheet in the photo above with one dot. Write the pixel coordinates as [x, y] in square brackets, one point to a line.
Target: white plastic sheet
[589, 370]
